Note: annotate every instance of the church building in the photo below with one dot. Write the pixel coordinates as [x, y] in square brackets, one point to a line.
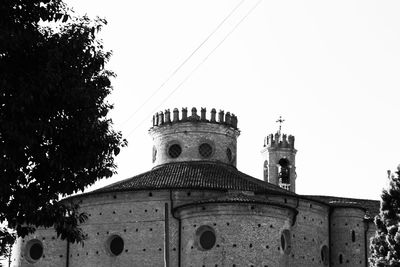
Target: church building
[194, 208]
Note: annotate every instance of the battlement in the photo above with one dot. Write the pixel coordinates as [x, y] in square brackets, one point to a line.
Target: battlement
[166, 118]
[279, 140]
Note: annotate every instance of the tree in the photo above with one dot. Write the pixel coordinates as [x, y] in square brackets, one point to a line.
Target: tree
[6, 242]
[385, 245]
[55, 137]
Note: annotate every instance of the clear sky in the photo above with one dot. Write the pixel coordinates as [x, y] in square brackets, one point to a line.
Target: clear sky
[330, 68]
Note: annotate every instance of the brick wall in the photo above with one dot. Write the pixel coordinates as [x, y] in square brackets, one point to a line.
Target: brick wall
[310, 234]
[189, 136]
[137, 217]
[54, 249]
[347, 237]
[246, 235]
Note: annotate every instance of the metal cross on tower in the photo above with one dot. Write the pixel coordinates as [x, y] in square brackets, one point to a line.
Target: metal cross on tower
[280, 120]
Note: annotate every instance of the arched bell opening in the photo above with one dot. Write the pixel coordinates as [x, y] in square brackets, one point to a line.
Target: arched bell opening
[284, 171]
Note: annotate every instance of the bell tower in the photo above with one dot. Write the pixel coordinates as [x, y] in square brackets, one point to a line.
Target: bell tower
[279, 157]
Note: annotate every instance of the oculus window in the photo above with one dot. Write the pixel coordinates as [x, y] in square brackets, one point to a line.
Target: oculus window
[205, 150]
[205, 237]
[33, 250]
[174, 151]
[115, 245]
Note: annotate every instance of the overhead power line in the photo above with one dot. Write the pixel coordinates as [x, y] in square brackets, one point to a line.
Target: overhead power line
[184, 62]
[198, 66]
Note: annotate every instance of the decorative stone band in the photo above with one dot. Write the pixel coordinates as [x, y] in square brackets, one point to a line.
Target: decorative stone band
[166, 118]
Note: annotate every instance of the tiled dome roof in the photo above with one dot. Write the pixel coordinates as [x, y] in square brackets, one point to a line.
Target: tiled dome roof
[194, 175]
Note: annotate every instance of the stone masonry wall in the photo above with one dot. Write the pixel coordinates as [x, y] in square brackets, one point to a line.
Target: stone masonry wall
[309, 234]
[137, 217]
[54, 249]
[189, 136]
[246, 235]
[347, 237]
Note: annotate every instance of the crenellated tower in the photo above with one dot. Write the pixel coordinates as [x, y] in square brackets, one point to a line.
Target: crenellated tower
[182, 136]
[280, 160]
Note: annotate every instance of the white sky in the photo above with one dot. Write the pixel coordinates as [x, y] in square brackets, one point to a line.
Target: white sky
[330, 68]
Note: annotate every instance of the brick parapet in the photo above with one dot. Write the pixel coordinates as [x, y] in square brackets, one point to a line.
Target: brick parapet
[163, 118]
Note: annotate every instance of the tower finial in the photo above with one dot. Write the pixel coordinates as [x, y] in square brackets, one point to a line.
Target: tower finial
[280, 120]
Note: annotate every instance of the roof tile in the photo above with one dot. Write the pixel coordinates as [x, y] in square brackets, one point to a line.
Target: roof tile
[194, 175]
[372, 206]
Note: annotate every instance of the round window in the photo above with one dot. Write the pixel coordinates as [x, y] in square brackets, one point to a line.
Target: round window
[285, 241]
[205, 237]
[205, 150]
[115, 245]
[325, 255]
[33, 250]
[174, 151]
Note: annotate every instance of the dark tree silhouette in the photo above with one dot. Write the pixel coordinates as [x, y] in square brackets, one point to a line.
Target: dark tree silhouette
[6, 241]
[385, 245]
[55, 137]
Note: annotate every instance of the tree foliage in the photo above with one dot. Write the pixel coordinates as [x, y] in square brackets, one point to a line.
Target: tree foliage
[55, 137]
[6, 241]
[385, 245]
